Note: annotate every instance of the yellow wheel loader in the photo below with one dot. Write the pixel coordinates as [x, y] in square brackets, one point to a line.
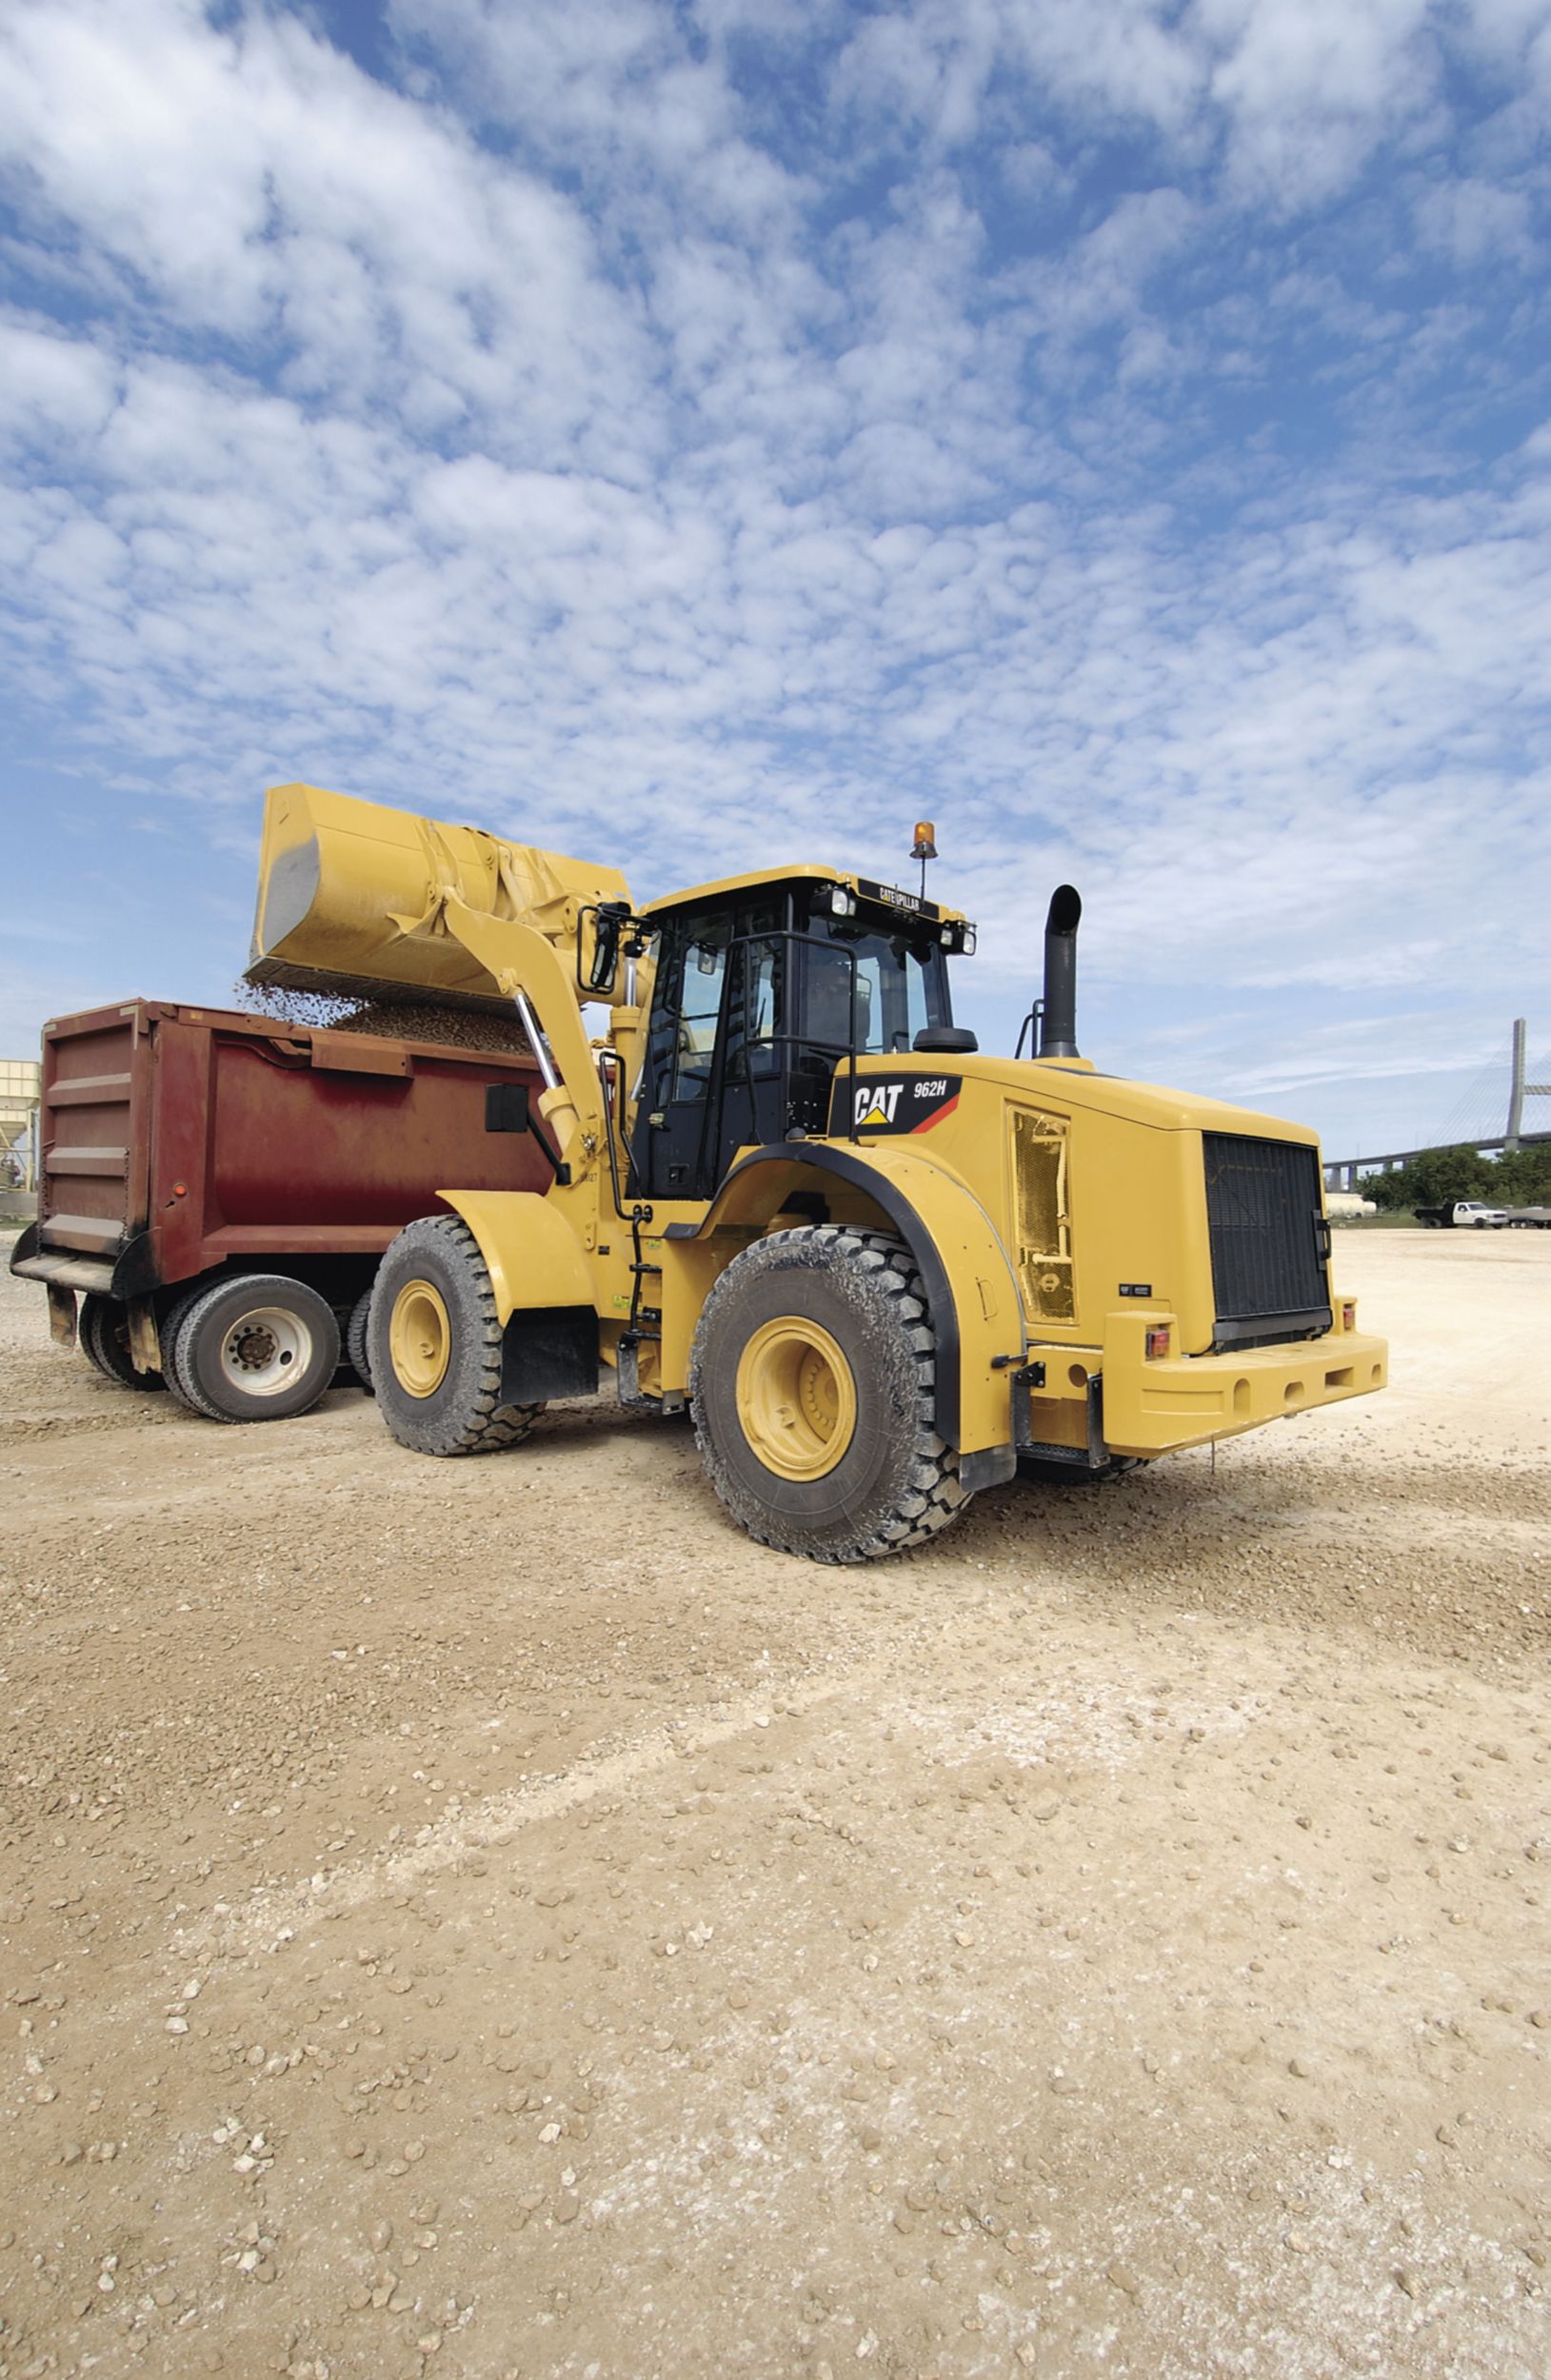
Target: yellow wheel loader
[881, 1269]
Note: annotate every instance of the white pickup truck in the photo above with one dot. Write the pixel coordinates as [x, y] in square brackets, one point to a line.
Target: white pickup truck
[1460, 1213]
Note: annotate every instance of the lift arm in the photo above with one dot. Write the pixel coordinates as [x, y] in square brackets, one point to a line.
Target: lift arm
[523, 965]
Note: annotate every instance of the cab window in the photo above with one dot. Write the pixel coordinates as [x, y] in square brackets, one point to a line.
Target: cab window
[705, 966]
[900, 988]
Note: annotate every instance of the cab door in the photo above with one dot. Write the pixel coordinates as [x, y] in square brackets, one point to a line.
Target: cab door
[755, 1093]
[675, 1119]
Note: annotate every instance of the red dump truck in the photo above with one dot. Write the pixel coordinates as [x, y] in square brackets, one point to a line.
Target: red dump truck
[220, 1187]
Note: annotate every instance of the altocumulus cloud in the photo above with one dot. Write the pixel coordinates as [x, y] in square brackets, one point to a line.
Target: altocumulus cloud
[710, 431]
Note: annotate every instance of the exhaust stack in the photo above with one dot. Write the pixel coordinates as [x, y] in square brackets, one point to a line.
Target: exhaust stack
[1058, 1021]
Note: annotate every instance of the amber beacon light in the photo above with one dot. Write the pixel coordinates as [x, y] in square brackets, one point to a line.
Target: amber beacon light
[923, 849]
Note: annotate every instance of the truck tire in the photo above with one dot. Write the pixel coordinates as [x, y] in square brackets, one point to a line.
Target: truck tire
[261, 1347]
[357, 1352]
[433, 1344]
[87, 1334]
[104, 1342]
[811, 1384]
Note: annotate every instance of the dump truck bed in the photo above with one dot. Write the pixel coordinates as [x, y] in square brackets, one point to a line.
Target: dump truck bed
[177, 1140]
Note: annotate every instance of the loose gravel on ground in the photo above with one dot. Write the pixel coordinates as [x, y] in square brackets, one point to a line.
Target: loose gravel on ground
[492, 1920]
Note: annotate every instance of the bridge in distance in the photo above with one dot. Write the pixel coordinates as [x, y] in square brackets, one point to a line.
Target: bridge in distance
[1341, 1173]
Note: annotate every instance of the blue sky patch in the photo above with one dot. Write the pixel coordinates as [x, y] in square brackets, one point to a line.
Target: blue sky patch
[698, 434]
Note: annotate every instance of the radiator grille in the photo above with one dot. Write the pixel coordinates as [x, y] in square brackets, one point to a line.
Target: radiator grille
[1268, 1240]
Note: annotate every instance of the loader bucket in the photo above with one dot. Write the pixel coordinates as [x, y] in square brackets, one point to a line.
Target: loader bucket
[349, 891]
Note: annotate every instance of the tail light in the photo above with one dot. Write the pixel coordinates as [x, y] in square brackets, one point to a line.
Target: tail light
[1158, 1342]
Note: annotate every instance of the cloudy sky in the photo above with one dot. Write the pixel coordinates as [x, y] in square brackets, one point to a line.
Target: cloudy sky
[1117, 429]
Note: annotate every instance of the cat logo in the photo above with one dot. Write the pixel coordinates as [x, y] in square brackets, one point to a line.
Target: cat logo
[892, 1103]
[877, 1105]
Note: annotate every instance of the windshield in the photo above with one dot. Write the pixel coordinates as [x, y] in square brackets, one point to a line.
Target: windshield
[901, 988]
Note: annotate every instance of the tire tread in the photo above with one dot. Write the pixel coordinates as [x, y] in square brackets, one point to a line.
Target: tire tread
[179, 1336]
[99, 1320]
[932, 1494]
[357, 1354]
[488, 1425]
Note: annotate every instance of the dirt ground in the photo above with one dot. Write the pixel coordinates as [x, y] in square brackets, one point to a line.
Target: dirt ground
[490, 1919]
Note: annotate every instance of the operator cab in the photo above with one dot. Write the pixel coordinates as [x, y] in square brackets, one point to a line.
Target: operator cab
[762, 989]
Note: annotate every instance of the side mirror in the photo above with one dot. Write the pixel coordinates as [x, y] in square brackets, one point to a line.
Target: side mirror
[599, 935]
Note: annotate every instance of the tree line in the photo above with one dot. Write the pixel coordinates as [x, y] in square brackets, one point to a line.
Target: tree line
[1520, 1178]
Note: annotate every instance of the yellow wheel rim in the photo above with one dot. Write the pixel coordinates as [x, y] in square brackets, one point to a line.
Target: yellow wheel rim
[796, 1397]
[420, 1337]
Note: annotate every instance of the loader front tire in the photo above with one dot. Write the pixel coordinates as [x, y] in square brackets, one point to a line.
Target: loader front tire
[812, 1384]
[433, 1344]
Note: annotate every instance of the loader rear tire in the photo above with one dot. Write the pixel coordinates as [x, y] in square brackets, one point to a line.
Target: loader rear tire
[259, 1347]
[104, 1342]
[812, 1384]
[433, 1344]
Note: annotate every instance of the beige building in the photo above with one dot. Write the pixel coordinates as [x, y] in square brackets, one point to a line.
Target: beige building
[20, 1090]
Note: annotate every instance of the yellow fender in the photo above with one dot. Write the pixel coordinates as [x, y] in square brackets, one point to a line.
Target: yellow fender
[988, 1309]
[968, 1278]
[533, 1253]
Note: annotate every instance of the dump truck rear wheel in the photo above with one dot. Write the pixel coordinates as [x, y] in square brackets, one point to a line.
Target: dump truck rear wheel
[357, 1352]
[261, 1347]
[433, 1344]
[104, 1340]
[813, 1379]
[86, 1334]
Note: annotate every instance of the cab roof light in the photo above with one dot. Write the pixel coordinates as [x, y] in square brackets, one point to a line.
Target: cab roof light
[923, 849]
